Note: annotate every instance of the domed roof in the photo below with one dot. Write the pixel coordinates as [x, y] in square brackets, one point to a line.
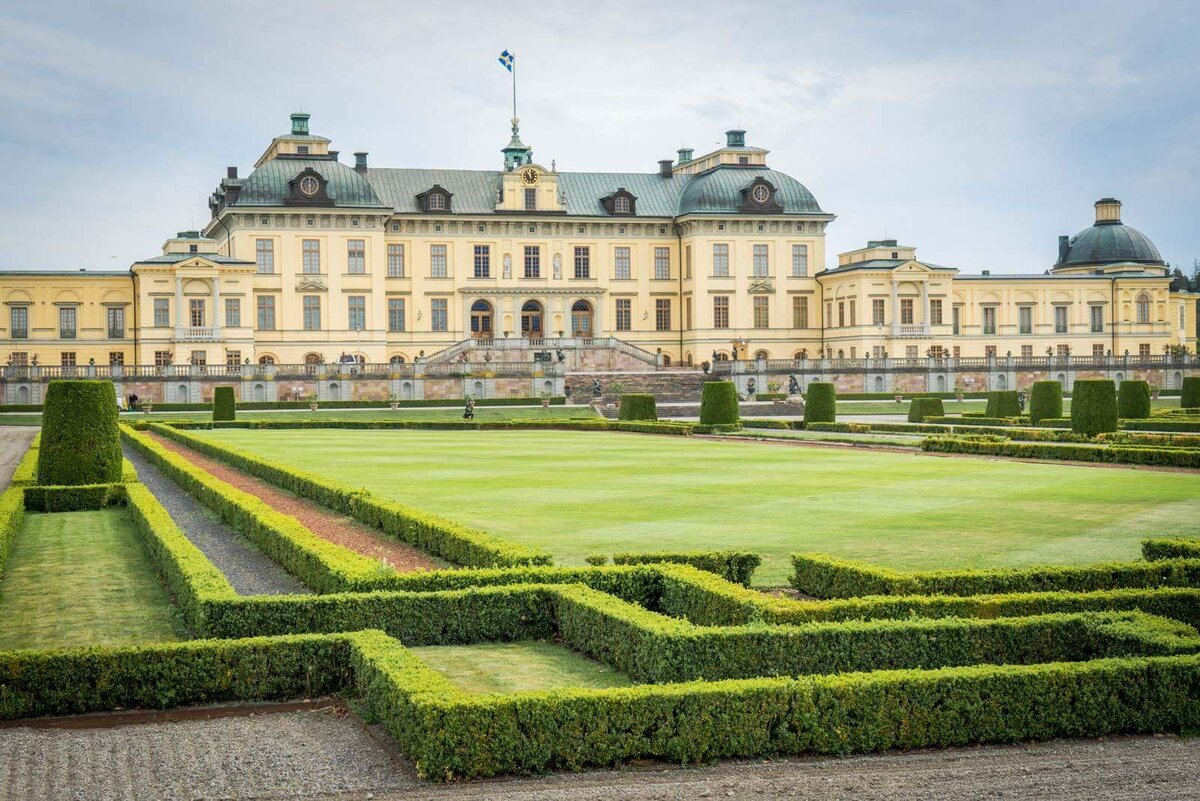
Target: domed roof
[1109, 241]
[268, 185]
[720, 192]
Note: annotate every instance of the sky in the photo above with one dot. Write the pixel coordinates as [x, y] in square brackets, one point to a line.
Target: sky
[977, 132]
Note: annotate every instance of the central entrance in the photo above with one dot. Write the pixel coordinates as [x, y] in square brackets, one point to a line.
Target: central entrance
[481, 320]
[531, 320]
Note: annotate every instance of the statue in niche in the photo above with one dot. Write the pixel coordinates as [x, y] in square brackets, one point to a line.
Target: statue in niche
[557, 266]
[508, 265]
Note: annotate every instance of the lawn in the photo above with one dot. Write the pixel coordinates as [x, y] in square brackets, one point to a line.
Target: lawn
[80, 578]
[514, 667]
[576, 493]
[482, 413]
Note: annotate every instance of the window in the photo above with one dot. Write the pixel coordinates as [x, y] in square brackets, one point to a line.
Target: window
[877, 351]
[302, 150]
[989, 319]
[955, 314]
[687, 311]
[533, 261]
[266, 312]
[395, 314]
[720, 312]
[1064, 351]
[438, 314]
[356, 256]
[877, 311]
[199, 357]
[196, 312]
[1144, 350]
[621, 264]
[483, 261]
[162, 312]
[530, 199]
[19, 358]
[989, 351]
[687, 262]
[956, 350]
[437, 261]
[662, 314]
[233, 358]
[1097, 351]
[761, 263]
[311, 256]
[18, 322]
[799, 312]
[906, 311]
[67, 358]
[853, 315]
[1143, 308]
[66, 322]
[935, 311]
[435, 201]
[662, 264]
[312, 312]
[720, 260]
[799, 261]
[841, 314]
[116, 358]
[762, 311]
[911, 352]
[1025, 320]
[264, 256]
[1026, 351]
[356, 312]
[395, 261]
[233, 312]
[1060, 319]
[162, 358]
[828, 313]
[621, 205]
[624, 314]
[583, 262]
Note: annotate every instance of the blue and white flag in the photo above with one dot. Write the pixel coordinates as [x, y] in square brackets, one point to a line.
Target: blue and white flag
[506, 60]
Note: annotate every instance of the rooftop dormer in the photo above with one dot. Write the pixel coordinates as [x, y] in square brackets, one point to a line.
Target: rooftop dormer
[736, 153]
[189, 242]
[297, 144]
[876, 249]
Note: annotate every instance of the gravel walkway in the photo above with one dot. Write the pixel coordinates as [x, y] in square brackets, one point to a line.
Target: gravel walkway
[329, 525]
[14, 442]
[249, 570]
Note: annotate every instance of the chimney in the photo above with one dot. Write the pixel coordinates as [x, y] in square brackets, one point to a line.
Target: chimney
[1108, 211]
[231, 172]
[735, 138]
[299, 123]
[1064, 247]
[360, 161]
[664, 168]
[685, 154]
[333, 155]
[987, 272]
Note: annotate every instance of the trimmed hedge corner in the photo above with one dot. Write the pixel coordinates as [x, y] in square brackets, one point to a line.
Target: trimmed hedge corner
[1003, 403]
[1045, 401]
[718, 403]
[735, 566]
[1189, 395]
[1094, 407]
[224, 405]
[80, 443]
[920, 408]
[638, 407]
[820, 403]
[1133, 400]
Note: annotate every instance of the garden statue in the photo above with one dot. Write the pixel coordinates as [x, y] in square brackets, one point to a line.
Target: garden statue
[1021, 401]
[557, 266]
[562, 357]
[750, 386]
[716, 357]
[469, 411]
[567, 392]
[596, 391]
[704, 366]
[793, 385]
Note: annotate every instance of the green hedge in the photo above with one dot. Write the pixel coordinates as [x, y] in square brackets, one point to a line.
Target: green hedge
[1115, 454]
[1045, 401]
[224, 405]
[1094, 407]
[25, 473]
[718, 403]
[975, 420]
[42, 498]
[1179, 426]
[733, 565]
[1189, 396]
[638, 407]
[1133, 400]
[823, 576]
[920, 408]
[1170, 548]
[80, 443]
[12, 517]
[820, 403]
[1003, 403]
[353, 404]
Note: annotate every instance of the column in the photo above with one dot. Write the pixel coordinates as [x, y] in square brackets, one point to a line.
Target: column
[925, 304]
[216, 314]
[179, 307]
[895, 309]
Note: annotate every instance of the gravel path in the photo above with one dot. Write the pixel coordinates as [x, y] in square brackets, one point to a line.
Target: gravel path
[249, 570]
[327, 754]
[329, 525]
[14, 442]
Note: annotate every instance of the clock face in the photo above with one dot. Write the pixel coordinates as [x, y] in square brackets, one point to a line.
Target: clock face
[309, 185]
[760, 194]
[529, 176]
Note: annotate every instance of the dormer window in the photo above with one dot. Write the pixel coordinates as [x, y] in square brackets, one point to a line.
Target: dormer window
[620, 202]
[437, 202]
[435, 198]
[302, 150]
[621, 205]
[308, 188]
[759, 196]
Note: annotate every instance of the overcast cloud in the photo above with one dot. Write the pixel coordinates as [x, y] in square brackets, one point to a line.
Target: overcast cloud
[977, 132]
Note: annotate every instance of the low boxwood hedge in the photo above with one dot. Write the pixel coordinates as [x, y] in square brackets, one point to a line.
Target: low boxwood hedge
[80, 443]
[820, 403]
[718, 403]
[1133, 400]
[25, 473]
[736, 566]
[920, 408]
[638, 407]
[12, 517]
[1109, 454]
[1045, 401]
[1170, 548]
[42, 498]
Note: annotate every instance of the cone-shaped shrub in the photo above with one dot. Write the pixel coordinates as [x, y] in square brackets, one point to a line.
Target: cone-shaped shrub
[1003, 403]
[80, 443]
[1045, 401]
[224, 405]
[820, 404]
[1190, 396]
[1133, 400]
[638, 407]
[920, 408]
[718, 403]
[1094, 407]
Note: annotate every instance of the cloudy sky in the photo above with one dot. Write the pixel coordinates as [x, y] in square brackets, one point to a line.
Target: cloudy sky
[977, 132]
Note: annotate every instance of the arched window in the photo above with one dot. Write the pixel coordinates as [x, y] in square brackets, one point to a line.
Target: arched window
[800, 354]
[620, 204]
[722, 356]
[266, 359]
[481, 319]
[762, 355]
[1143, 308]
[666, 360]
[312, 358]
[581, 319]
[531, 320]
[397, 359]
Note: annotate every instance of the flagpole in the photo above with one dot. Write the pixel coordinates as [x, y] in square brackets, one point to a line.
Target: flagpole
[514, 77]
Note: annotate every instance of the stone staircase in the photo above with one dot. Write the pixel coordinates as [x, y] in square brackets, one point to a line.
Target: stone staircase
[667, 385]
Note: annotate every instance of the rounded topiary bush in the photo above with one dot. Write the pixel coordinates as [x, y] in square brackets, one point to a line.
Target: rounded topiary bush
[1045, 401]
[1189, 396]
[1133, 400]
[920, 408]
[638, 407]
[224, 405]
[1003, 403]
[1094, 407]
[718, 403]
[820, 404]
[80, 443]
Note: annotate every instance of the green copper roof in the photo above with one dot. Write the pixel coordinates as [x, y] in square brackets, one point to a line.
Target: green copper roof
[1111, 243]
[172, 258]
[719, 191]
[268, 185]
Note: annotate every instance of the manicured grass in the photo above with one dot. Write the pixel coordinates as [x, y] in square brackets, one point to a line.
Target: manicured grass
[910, 440]
[80, 578]
[518, 666]
[576, 493]
[482, 413]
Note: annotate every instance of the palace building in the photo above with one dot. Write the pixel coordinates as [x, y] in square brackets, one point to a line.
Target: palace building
[308, 260]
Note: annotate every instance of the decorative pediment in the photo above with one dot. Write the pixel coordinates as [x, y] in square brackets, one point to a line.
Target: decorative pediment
[311, 283]
[621, 203]
[759, 196]
[762, 286]
[436, 199]
[308, 188]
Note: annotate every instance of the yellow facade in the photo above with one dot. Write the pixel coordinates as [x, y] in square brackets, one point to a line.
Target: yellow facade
[68, 319]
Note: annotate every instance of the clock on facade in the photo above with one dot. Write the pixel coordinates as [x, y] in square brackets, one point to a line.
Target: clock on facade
[529, 176]
[309, 185]
[760, 194]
